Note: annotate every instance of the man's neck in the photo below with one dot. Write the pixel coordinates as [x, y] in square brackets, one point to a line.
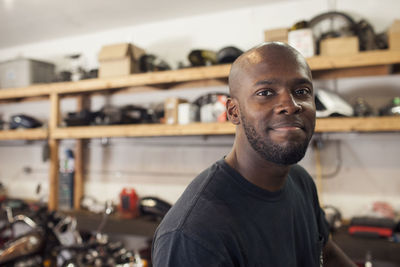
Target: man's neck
[258, 171]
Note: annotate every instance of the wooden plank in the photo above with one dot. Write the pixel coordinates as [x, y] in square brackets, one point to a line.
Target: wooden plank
[370, 124]
[90, 85]
[53, 174]
[54, 147]
[354, 124]
[151, 78]
[24, 134]
[24, 92]
[79, 171]
[142, 130]
[55, 115]
[24, 99]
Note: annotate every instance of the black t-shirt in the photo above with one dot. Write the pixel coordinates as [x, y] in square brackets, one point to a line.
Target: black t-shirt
[223, 220]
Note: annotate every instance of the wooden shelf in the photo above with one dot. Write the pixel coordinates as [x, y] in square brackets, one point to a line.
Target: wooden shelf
[339, 124]
[355, 124]
[24, 134]
[142, 130]
[140, 79]
[26, 92]
[360, 64]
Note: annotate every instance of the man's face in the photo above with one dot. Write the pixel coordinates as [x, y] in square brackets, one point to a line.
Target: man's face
[277, 108]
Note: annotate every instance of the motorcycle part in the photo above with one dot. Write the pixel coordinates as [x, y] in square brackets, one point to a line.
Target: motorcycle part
[135, 114]
[329, 104]
[108, 115]
[372, 226]
[337, 24]
[333, 217]
[392, 109]
[83, 117]
[23, 121]
[154, 207]
[362, 108]
[212, 107]
[25, 245]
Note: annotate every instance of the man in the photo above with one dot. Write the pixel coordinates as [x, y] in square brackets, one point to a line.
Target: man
[256, 207]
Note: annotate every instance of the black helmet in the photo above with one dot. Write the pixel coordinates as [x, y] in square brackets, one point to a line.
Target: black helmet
[228, 54]
[200, 57]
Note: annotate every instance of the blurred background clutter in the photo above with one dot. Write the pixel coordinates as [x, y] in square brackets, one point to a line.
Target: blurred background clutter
[108, 111]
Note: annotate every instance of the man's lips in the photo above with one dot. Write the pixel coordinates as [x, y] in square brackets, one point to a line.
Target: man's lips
[287, 127]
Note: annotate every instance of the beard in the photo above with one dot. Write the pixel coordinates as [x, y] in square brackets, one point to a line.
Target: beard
[281, 154]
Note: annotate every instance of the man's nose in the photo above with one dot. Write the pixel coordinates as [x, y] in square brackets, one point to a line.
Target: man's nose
[287, 104]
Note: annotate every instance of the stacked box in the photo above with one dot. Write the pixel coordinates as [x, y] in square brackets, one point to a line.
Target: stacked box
[276, 35]
[119, 60]
[339, 46]
[24, 72]
[394, 35]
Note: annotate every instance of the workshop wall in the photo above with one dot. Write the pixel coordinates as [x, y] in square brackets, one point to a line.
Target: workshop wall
[361, 168]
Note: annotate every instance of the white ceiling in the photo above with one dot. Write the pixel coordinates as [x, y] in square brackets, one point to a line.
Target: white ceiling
[29, 21]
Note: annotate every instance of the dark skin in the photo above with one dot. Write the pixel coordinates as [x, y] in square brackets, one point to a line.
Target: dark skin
[272, 94]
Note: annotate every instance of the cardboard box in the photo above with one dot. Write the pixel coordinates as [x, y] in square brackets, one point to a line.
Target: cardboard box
[276, 35]
[171, 109]
[303, 41]
[23, 72]
[339, 46]
[119, 60]
[394, 35]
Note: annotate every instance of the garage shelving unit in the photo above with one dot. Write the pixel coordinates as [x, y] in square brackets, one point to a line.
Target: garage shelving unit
[370, 63]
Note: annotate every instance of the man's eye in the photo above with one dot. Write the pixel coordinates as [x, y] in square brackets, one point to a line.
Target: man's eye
[303, 91]
[265, 93]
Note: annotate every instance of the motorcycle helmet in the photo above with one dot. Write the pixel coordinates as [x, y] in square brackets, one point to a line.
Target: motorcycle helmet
[200, 57]
[228, 54]
[329, 104]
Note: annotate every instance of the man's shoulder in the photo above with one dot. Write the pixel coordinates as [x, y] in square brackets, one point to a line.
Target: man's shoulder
[301, 177]
[195, 206]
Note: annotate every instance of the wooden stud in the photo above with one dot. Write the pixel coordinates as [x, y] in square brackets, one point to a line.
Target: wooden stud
[54, 150]
[82, 103]
[53, 175]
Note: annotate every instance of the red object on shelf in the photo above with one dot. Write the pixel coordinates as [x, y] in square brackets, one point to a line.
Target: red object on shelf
[128, 206]
[379, 231]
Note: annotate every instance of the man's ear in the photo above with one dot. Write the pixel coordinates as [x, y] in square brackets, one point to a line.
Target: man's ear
[232, 110]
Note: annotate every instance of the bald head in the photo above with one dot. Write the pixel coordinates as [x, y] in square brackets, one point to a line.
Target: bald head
[265, 53]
